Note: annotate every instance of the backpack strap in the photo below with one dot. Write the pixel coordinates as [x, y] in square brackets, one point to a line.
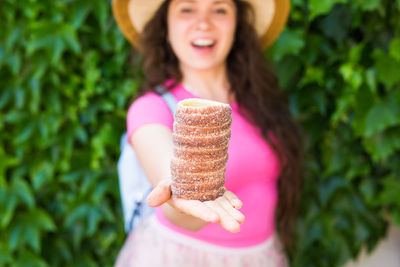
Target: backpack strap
[168, 98]
[171, 102]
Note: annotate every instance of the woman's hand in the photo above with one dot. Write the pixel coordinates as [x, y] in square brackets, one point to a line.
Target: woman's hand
[222, 210]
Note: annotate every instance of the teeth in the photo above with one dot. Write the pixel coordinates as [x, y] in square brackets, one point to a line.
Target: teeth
[203, 42]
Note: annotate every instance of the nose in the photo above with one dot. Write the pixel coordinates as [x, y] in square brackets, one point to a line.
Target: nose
[203, 21]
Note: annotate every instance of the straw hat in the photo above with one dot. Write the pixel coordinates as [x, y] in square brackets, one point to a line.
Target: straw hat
[132, 16]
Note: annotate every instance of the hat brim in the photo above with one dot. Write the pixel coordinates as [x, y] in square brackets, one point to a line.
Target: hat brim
[274, 16]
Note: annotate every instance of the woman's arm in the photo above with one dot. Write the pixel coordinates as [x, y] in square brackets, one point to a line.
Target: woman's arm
[154, 148]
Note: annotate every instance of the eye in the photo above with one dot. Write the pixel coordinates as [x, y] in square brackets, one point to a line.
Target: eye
[221, 11]
[186, 10]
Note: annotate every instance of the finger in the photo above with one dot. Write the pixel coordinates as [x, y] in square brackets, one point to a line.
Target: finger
[195, 208]
[237, 215]
[225, 220]
[233, 199]
[160, 194]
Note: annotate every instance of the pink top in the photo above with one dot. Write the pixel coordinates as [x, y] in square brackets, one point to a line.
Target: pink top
[251, 172]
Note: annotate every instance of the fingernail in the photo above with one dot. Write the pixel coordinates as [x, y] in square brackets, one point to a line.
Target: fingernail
[236, 229]
[237, 204]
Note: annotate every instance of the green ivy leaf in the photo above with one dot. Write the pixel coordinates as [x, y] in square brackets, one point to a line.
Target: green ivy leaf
[365, 100]
[390, 193]
[29, 259]
[370, 78]
[369, 5]
[85, 259]
[94, 218]
[328, 188]
[42, 174]
[77, 214]
[26, 133]
[341, 111]
[14, 62]
[16, 237]
[100, 190]
[109, 238]
[395, 48]
[42, 220]
[352, 75]
[78, 234]
[357, 167]
[320, 7]
[333, 156]
[6, 162]
[101, 12]
[24, 192]
[28, 228]
[356, 52]
[5, 255]
[388, 69]
[63, 249]
[395, 216]
[53, 37]
[79, 12]
[369, 191]
[32, 237]
[313, 74]
[14, 36]
[5, 98]
[2, 54]
[382, 145]
[289, 43]
[381, 116]
[337, 24]
[8, 204]
[396, 96]
[286, 70]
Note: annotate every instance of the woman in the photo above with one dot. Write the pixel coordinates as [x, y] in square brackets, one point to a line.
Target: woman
[210, 49]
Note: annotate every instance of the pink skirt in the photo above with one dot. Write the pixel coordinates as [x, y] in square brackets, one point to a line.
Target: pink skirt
[153, 244]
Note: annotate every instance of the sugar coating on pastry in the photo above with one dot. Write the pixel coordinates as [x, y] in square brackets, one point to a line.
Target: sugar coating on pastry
[201, 136]
[201, 112]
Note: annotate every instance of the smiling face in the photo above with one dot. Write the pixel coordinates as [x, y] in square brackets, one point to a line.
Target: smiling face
[201, 32]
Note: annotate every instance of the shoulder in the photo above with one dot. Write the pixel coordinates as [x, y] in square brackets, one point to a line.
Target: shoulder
[148, 102]
[149, 108]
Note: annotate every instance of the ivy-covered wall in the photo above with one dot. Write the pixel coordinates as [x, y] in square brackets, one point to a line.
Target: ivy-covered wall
[340, 63]
[67, 78]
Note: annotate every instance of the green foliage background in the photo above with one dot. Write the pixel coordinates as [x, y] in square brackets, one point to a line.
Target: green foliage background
[66, 80]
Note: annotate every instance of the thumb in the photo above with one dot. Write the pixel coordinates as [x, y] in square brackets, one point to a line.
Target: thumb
[160, 194]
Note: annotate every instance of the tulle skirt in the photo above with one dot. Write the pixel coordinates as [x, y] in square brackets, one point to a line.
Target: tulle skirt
[154, 245]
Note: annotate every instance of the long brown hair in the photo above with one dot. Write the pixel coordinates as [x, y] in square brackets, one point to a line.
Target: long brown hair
[257, 93]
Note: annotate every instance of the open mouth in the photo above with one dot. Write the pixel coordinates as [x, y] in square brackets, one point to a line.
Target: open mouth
[203, 43]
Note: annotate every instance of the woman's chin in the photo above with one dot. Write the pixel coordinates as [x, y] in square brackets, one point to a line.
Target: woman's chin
[203, 65]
